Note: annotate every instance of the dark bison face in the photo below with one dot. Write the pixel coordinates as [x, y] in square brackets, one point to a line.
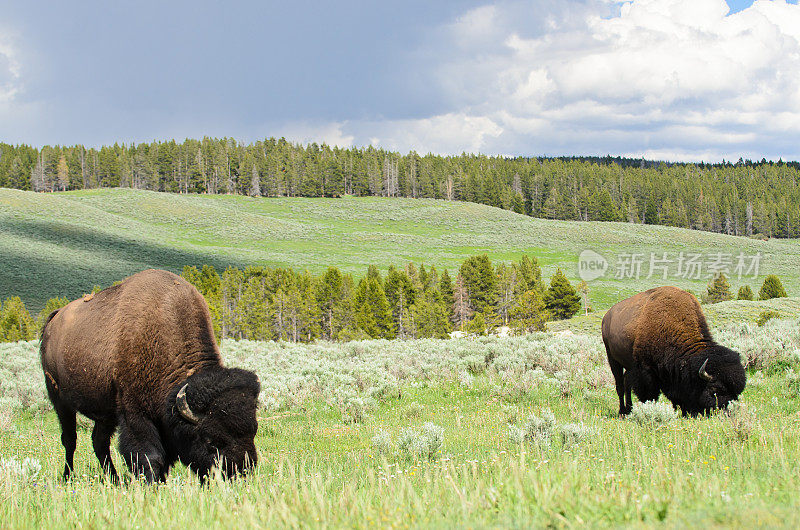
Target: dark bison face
[721, 378]
[217, 421]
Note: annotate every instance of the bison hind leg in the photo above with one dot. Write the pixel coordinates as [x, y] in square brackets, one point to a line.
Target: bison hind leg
[621, 380]
[69, 434]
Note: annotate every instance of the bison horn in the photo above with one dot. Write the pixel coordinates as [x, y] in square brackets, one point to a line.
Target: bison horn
[703, 374]
[183, 406]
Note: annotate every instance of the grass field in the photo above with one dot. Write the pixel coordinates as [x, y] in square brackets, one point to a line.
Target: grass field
[483, 432]
[353, 450]
[65, 243]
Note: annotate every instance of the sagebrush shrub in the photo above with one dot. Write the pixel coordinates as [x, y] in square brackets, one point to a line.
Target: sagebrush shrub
[516, 435]
[575, 433]
[653, 413]
[421, 443]
[741, 419]
[382, 442]
[540, 429]
[355, 409]
[25, 470]
[793, 383]
[465, 379]
[413, 410]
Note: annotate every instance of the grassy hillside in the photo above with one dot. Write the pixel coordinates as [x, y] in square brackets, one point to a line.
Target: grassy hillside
[63, 244]
[718, 315]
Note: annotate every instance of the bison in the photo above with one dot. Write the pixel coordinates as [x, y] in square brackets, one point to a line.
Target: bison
[141, 356]
[658, 341]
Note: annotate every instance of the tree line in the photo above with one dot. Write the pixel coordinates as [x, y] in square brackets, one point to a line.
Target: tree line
[261, 303]
[719, 290]
[743, 198]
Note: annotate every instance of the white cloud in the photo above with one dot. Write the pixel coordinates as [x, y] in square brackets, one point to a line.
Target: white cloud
[330, 133]
[673, 78]
[443, 134]
[9, 70]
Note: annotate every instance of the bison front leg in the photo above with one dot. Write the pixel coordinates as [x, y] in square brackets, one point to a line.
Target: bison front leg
[101, 439]
[140, 445]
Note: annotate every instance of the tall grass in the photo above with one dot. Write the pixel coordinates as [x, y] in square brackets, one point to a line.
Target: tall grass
[316, 471]
[425, 449]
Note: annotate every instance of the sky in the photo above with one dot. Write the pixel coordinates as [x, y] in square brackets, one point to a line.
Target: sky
[680, 80]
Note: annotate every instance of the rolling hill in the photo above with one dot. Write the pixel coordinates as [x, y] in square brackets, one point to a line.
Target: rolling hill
[65, 243]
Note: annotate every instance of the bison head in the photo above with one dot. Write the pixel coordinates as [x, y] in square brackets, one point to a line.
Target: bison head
[719, 377]
[213, 417]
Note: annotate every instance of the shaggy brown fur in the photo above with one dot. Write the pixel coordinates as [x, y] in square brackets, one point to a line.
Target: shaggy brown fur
[657, 341]
[120, 358]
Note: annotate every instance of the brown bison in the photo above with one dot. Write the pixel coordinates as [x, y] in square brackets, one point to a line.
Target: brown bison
[658, 341]
[142, 356]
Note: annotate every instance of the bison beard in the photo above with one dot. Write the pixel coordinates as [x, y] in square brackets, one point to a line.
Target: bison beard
[141, 356]
[658, 341]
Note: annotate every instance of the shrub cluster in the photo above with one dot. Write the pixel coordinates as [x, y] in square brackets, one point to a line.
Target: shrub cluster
[354, 377]
[421, 443]
[653, 413]
[413, 443]
[543, 431]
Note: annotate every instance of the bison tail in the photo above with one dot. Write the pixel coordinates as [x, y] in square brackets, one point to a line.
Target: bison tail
[49, 318]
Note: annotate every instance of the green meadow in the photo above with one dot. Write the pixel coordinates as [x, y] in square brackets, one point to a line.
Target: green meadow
[479, 433]
[65, 243]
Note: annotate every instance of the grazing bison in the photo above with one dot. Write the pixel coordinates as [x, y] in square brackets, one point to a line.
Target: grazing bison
[142, 356]
[658, 341]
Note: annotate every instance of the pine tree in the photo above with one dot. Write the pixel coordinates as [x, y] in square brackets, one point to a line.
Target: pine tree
[255, 182]
[560, 299]
[372, 312]
[279, 311]
[479, 279]
[431, 316]
[518, 204]
[331, 295]
[16, 322]
[306, 318]
[477, 326]
[462, 306]
[374, 273]
[650, 212]
[745, 293]
[424, 280]
[506, 290]
[771, 288]
[529, 314]
[603, 206]
[401, 295]
[446, 289]
[718, 290]
[232, 313]
[254, 306]
[531, 273]
[62, 173]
